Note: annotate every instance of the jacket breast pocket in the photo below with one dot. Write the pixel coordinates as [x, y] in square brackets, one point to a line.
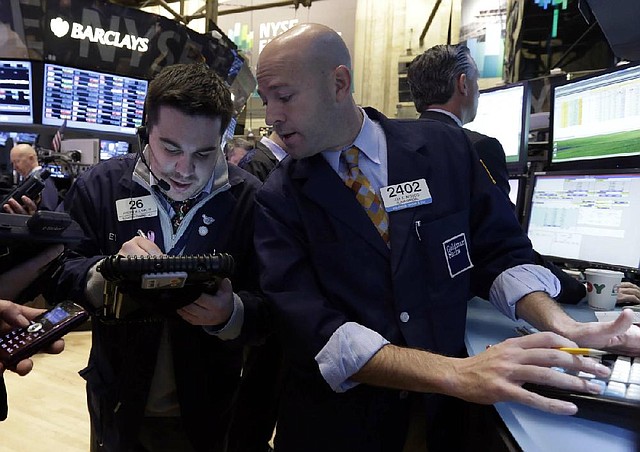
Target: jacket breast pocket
[446, 248]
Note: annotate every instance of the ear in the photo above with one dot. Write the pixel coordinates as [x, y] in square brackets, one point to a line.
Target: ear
[342, 76]
[462, 86]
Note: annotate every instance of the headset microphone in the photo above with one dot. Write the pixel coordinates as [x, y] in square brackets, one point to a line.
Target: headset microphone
[143, 138]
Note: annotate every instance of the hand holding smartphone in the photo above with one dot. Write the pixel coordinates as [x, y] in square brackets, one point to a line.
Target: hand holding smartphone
[21, 343]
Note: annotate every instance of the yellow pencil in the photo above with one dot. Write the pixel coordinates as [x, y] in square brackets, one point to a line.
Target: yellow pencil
[583, 351]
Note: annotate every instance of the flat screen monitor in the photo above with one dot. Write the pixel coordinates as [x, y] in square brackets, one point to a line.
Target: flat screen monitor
[503, 113]
[587, 218]
[16, 95]
[595, 121]
[111, 148]
[18, 137]
[24, 137]
[92, 100]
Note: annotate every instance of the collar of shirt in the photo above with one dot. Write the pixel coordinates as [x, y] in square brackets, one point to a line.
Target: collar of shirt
[218, 183]
[37, 168]
[277, 151]
[449, 114]
[372, 143]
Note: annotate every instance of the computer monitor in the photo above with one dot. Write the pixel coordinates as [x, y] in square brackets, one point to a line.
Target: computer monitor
[587, 218]
[16, 95]
[18, 137]
[595, 121]
[97, 101]
[111, 148]
[503, 113]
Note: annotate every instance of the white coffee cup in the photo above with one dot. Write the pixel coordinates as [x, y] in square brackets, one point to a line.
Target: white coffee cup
[602, 288]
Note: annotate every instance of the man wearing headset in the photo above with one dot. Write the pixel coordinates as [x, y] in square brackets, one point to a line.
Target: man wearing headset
[157, 380]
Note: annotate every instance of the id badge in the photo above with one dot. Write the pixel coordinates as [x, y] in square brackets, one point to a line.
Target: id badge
[135, 208]
[405, 195]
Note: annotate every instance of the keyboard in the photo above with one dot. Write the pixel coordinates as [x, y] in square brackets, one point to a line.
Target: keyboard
[619, 401]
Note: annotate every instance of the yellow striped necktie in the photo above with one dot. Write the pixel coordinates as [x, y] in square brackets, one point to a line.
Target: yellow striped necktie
[365, 195]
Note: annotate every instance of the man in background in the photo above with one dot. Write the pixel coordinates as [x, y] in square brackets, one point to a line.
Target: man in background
[264, 157]
[25, 162]
[444, 86]
[237, 149]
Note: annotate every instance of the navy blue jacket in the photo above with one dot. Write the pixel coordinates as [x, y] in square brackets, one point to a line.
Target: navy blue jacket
[123, 354]
[49, 198]
[490, 151]
[488, 148]
[323, 264]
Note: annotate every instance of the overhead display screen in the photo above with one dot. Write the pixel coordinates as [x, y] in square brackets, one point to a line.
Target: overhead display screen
[92, 100]
[16, 104]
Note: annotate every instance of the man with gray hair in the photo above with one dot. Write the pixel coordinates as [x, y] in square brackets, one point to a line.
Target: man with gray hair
[444, 86]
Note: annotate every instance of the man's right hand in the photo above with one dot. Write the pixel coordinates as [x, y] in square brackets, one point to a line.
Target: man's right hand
[28, 206]
[498, 374]
[13, 316]
[139, 246]
[495, 375]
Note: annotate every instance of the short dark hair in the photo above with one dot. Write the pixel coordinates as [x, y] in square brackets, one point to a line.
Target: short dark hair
[432, 75]
[193, 89]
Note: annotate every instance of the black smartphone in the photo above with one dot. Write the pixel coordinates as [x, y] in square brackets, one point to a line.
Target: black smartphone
[49, 326]
[30, 188]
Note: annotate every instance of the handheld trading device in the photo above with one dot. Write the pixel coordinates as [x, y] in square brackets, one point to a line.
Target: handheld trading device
[141, 277]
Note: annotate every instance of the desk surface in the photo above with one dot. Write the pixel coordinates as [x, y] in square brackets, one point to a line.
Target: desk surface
[535, 430]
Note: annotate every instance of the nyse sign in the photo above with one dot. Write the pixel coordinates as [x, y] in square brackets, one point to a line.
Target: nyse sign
[270, 30]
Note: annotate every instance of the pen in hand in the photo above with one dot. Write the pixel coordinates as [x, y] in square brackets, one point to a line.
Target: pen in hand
[149, 236]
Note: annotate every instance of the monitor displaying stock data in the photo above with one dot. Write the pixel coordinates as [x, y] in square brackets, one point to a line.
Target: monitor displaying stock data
[16, 92]
[595, 121]
[587, 217]
[92, 100]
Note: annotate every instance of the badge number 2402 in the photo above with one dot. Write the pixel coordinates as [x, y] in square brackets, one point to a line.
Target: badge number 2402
[405, 195]
[403, 188]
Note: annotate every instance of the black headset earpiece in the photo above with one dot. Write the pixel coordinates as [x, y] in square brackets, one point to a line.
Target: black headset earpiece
[143, 134]
[143, 140]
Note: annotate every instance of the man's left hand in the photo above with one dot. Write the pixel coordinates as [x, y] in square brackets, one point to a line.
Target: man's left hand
[209, 310]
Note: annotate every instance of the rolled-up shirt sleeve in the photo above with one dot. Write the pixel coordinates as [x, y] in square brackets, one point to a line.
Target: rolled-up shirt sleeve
[516, 282]
[348, 349]
[233, 327]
